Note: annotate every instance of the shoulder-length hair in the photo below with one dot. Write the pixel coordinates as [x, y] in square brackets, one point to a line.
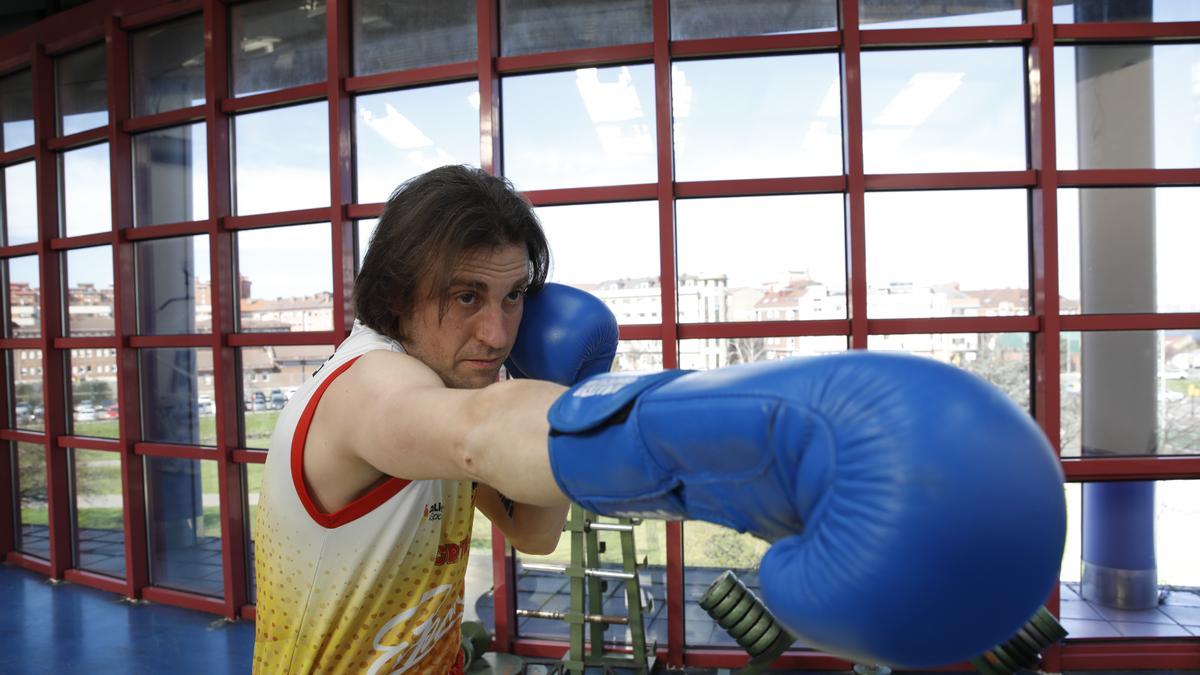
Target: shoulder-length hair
[429, 224]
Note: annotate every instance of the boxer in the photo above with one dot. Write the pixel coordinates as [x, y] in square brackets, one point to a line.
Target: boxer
[916, 515]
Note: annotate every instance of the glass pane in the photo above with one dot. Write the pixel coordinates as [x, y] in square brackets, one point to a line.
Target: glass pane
[611, 251]
[270, 376]
[175, 381]
[1137, 251]
[276, 44]
[400, 134]
[82, 90]
[708, 353]
[761, 258]
[170, 176]
[999, 358]
[905, 14]
[548, 591]
[16, 110]
[1127, 106]
[693, 19]
[253, 477]
[27, 412]
[1130, 393]
[89, 277]
[947, 253]
[94, 408]
[24, 318]
[20, 204]
[709, 550]
[1089, 11]
[602, 131]
[173, 288]
[285, 278]
[767, 117]
[364, 229]
[401, 34]
[33, 518]
[934, 110]
[634, 355]
[167, 66]
[529, 26]
[1162, 529]
[185, 524]
[282, 159]
[99, 512]
[86, 195]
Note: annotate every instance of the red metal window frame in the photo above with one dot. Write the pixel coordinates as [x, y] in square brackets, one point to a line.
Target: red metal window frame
[112, 20]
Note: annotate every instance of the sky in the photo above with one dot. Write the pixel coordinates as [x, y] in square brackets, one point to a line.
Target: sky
[747, 117]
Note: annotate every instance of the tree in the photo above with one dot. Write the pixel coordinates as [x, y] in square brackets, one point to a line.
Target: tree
[31, 474]
[28, 392]
[745, 350]
[729, 549]
[1006, 366]
[96, 391]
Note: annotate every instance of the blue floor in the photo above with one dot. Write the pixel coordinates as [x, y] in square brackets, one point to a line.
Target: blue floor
[75, 629]
[67, 628]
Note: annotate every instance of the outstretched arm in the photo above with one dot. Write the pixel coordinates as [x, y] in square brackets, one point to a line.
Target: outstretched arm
[391, 414]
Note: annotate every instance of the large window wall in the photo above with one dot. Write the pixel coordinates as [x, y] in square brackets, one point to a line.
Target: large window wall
[187, 189]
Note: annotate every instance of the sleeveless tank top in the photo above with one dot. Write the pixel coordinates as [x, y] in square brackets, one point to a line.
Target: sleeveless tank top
[374, 587]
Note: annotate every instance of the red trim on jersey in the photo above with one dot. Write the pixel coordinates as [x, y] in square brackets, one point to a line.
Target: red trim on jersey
[355, 509]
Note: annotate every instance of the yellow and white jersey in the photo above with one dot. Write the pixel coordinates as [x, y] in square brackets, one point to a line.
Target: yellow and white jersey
[375, 587]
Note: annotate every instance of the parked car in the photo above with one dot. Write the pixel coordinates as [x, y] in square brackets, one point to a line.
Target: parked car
[260, 401]
[85, 412]
[114, 411]
[278, 400]
[204, 406]
[22, 412]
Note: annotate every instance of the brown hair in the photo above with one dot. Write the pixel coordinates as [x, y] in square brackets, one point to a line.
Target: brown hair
[429, 224]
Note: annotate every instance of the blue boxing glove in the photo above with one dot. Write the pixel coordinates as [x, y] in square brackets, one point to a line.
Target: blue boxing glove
[917, 515]
[566, 335]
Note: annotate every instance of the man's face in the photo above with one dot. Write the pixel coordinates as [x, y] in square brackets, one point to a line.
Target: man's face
[467, 346]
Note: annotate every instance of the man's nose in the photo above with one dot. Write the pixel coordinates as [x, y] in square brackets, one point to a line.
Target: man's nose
[492, 327]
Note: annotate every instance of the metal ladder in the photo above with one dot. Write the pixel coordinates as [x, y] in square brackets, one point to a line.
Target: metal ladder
[587, 583]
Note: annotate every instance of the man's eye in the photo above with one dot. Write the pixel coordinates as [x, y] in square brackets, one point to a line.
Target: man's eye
[514, 296]
[465, 298]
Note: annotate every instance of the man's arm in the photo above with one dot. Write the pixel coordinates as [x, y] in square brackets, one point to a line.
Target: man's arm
[530, 529]
[391, 414]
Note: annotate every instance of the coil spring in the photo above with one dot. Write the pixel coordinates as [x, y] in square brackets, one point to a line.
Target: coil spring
[1023, 650]
[736, 609]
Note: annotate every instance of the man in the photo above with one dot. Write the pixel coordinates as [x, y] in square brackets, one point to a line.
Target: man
[376, 464]
[916, 515]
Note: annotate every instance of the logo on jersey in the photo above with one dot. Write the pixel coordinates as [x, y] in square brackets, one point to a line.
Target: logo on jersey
[448, 554]
[433, 511]
[402, 657]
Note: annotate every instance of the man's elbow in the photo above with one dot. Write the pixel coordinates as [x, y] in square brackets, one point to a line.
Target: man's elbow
[542, 544]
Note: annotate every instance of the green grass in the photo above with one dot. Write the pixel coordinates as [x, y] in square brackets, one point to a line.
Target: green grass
[112, 518]
[98, 429]
[705, 545]
[258, 427]
[35, 516]
[103, 477]
[102, 518]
